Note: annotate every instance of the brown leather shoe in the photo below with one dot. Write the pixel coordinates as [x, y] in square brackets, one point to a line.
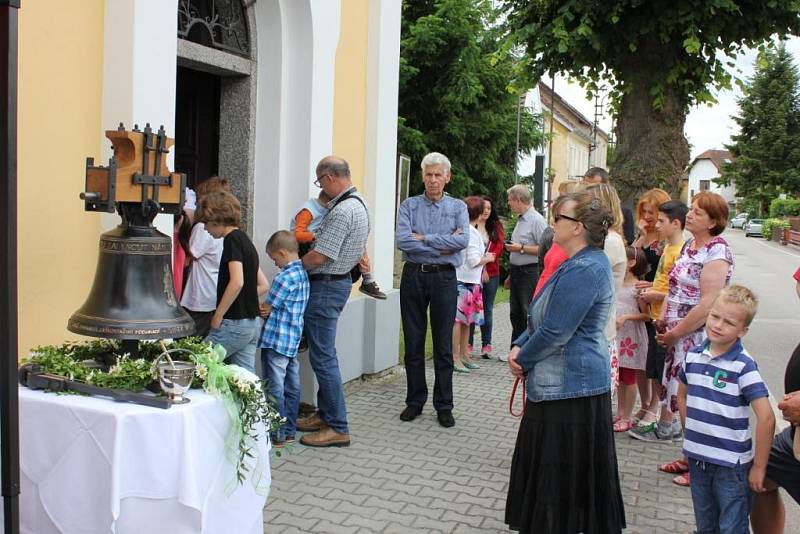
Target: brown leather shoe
[327, 437]
[312, 423]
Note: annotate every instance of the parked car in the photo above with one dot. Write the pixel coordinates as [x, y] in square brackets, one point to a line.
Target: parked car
[753, 227]
[739, 221]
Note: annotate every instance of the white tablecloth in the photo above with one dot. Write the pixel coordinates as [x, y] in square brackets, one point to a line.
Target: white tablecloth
[91, 465]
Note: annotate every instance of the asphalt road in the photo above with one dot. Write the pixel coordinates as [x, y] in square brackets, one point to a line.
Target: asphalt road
[767, 268]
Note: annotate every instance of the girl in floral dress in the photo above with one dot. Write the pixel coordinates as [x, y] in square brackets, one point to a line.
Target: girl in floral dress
[469, 310]
[699, 274]
[631, 338]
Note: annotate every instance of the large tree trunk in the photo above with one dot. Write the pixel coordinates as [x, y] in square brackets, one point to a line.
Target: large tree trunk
[651, 149]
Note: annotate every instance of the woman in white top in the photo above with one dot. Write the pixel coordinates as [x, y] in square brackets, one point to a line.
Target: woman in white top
[469, 310]
[615, 251]
[200, 294]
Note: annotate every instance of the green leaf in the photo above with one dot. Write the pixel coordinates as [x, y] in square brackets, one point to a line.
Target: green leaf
[691, 44]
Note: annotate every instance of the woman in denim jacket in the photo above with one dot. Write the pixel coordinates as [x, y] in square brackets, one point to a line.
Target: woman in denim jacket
[564, 470]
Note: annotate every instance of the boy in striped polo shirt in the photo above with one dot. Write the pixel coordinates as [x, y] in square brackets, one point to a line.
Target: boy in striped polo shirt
[719, 383]
[283, 309]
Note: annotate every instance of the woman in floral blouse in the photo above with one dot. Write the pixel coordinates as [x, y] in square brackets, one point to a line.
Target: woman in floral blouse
[702, 270]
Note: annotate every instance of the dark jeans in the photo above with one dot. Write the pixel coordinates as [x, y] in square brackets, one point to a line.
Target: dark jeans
[489, 292]
[325, 303]
[721, 498]
[418, 292]
[523, 282]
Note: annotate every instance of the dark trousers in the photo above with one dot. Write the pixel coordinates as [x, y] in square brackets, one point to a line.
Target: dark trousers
[523, 282]
[418, 292]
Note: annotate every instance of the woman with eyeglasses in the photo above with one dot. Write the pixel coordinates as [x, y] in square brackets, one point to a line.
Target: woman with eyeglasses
[564, 474]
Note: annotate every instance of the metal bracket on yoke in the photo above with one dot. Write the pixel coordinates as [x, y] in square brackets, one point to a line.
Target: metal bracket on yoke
[152, 143]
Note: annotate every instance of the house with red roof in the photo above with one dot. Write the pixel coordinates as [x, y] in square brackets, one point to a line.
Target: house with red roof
[707, 167]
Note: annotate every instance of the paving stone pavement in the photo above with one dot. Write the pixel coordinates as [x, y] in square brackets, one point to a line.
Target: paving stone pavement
[419, 477]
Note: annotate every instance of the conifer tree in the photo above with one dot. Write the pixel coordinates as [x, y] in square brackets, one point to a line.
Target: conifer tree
[767, 147]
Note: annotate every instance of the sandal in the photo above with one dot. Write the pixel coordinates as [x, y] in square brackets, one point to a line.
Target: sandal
[623, 425]
[470, 365]
[676, 467]
[615, 419]
[683, 480]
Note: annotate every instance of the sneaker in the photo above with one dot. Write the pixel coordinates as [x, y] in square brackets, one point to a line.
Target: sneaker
[502, 357]
[372, 290]
[486, 352]
[649, 432]
[677, 430]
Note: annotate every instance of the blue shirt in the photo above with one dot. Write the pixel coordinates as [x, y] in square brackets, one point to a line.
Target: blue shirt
[288, 297]
[436, 221]
[564, 349]
[719, 392]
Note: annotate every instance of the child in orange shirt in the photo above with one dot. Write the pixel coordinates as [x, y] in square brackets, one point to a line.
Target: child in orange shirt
[305, 224]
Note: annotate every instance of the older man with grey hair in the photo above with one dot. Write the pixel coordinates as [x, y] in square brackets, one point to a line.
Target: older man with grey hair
[338, 247]
[432, 230]
[523, 271]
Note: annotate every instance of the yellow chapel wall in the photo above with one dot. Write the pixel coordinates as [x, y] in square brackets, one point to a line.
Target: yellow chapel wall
[350, 88]
[560, 153]
[60, 98]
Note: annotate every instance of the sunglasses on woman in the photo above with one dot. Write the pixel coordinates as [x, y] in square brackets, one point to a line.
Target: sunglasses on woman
[560, 216]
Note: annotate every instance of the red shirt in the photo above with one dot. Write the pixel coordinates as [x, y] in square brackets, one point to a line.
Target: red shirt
[797, 275]
[178, 263]
[552, 261]
[496, 247]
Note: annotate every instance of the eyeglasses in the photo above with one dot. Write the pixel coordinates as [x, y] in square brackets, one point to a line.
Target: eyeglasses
[560, 216]
[318, 180]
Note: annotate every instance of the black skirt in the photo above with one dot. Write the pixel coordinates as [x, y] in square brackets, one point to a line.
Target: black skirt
[564, 477]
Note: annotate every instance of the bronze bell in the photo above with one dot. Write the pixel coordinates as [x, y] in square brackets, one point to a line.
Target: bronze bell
[133, 294]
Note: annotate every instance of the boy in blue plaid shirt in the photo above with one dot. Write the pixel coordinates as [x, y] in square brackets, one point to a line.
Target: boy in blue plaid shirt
[283, 309]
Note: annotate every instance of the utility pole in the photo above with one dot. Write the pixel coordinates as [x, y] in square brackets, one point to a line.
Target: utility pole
[516, 150]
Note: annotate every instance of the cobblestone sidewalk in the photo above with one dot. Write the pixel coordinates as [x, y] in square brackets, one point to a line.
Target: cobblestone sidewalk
[419, 477]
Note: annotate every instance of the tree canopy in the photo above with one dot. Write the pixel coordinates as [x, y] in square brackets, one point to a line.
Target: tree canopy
[459, 87]
[767, 147]
[659, 57]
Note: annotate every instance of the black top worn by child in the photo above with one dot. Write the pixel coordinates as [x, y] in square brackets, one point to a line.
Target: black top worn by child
[238, 247]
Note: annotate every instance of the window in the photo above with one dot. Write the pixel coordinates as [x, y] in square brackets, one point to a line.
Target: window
[705, 185]
[217, 24]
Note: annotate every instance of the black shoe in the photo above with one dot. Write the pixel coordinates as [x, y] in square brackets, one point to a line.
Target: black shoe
[410, 413]
[445, 418]
[372, 290]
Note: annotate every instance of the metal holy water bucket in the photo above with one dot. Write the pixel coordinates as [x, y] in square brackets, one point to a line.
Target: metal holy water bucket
[174, 378]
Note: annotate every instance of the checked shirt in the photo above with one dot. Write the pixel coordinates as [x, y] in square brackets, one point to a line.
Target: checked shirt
[288, 297]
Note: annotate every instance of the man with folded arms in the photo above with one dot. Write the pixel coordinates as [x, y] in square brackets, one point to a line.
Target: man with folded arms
[432, 230]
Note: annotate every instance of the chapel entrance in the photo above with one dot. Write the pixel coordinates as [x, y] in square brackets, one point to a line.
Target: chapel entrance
[197, 102]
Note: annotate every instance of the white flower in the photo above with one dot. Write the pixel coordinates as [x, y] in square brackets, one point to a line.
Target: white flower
[202, 371]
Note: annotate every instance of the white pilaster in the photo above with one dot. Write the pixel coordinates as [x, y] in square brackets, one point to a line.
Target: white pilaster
[297, 60]
[383, 62]
[139, 69]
